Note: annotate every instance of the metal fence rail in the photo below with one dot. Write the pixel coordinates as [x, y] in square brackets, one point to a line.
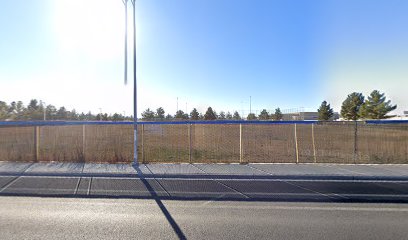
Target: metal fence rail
[204, 142]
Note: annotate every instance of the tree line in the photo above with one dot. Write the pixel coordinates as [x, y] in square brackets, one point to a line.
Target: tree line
[210, 114]
[354, 107]
[35, 110]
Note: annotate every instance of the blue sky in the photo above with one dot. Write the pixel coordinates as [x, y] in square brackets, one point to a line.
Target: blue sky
[283, 53]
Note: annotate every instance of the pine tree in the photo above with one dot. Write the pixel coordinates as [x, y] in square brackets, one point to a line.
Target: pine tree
[325, 112]
[210, 114]
[160, 113]
[181, 115]
[376, 106]
[278, 115]
[351, 106]
[222, 115]
[264, 115]
[228, 116]
[194, 115]
[251, 116]
[169, 117]
[236, 116]
[3, 110]
[148, 114]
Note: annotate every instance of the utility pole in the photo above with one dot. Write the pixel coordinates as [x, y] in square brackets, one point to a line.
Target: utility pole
[45, 109]
[135, 152]
[126, 38]
[250, 104]
[125, 2]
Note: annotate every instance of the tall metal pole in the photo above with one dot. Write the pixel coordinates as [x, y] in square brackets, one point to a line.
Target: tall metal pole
[250, 104]
[126, 38]
[135, 160]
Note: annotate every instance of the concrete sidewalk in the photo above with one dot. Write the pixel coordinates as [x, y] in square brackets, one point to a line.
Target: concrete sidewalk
[210, 182]
[396, 172]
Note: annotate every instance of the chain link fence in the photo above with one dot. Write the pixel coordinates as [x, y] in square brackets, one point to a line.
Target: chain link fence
[207, 142]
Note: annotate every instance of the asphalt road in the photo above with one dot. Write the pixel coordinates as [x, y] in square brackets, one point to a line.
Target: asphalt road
[75, 218]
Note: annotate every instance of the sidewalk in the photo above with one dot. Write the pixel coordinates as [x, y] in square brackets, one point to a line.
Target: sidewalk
[396, 172]
[208, 182]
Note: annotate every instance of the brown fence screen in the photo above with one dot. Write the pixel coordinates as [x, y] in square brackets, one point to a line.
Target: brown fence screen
[331, 142]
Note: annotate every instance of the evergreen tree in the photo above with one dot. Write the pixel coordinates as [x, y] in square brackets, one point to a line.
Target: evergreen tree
[148, 114]
[278, 115]
[228, 116]
[117, 117]
[251, 116]
[264, 115]
[236, 116]
[4, 108]
[351, 106]
[210, 114]
[325, 111]
[12, 110]
[33, 111]
[194, 115]
[20, 110]
[222, 115]
[376, 106]
[51, 112]
[169, 117]
[62, 114]
[160, 113]
[181, 115]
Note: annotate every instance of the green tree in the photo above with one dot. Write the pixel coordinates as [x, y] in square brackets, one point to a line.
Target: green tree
[251, 116]
[222, 115]
[117, 117]
[4, 108]
[210, 114]
[105, 117]
[228, 116]
[325, 112]
[160, 113]
[12, 110]
[51, 112]
[169, 117]
[278, 115]
[148, 114]
[181, 115]
[351, 106]
[20, 110]
[33, 110]
[62, 114]
[194, 115]
[236, 116]
[264, 115]
[376, 106]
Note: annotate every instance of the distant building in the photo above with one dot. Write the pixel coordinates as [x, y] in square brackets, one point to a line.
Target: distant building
[306, 116]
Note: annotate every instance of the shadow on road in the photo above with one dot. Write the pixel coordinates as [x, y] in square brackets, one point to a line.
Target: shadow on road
[163, 208]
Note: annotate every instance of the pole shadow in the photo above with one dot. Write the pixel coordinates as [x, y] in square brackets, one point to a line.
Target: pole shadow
[177, 230]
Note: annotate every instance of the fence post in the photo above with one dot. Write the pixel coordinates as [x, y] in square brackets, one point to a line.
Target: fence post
[189, 142]
[143, 154]
[37, 142]
[83, 142]
[241, 150]
[355, 142]
[296, 146]
[314, 145]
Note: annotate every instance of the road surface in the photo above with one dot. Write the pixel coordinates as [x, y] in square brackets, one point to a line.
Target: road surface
[75, 218]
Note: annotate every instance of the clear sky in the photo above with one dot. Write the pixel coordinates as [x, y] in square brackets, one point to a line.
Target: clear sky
[283, 53]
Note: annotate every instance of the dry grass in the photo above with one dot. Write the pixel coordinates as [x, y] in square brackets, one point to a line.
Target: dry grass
[333, 143]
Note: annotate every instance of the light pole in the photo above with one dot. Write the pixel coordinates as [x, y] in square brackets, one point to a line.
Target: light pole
[135, 152]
